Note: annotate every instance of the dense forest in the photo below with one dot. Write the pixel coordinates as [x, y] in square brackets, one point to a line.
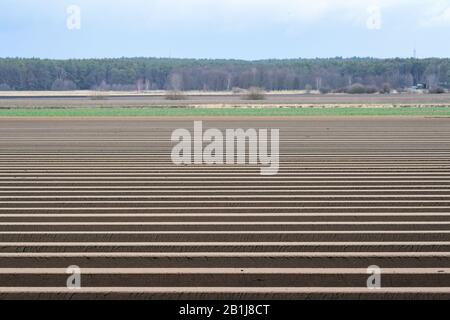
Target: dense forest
[220, 75]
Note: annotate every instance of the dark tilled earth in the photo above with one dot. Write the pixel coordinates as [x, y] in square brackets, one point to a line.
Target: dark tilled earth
[103, 194]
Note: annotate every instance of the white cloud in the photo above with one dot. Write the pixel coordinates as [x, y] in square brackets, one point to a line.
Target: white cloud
[437, 15]
[247, 12]
[269, 10]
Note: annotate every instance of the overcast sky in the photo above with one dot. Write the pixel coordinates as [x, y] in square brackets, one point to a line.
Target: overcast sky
[242, 29]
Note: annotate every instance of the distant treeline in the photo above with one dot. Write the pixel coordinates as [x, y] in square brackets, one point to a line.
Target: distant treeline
[335, 74]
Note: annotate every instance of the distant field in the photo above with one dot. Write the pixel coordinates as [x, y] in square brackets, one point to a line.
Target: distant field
[85, 99]
[283, 103]
[87, 93]
[259, 112]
